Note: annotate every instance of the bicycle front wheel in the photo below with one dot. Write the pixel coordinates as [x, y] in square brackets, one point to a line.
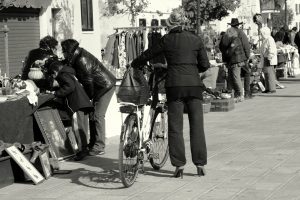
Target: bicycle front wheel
[128, 151]
[159, 148]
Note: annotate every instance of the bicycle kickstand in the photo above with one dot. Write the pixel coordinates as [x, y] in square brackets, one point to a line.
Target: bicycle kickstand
[141, 162]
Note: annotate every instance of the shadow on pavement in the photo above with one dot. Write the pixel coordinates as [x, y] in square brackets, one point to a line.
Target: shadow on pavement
[163, 173]
[276, 95]
[105, 177]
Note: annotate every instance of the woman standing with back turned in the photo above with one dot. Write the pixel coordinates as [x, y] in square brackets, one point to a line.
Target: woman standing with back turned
[186, 58]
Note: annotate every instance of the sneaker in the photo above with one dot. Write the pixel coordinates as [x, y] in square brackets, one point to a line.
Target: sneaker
[238, 99]
[279, 86]
[94, 152]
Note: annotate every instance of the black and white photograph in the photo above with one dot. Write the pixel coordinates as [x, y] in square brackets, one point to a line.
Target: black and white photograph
[150, 99]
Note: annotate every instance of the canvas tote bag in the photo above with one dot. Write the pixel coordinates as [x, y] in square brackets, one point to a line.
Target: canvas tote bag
[134, 87]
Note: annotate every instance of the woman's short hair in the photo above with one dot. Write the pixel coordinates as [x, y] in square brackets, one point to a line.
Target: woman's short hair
[55, 66]
[48, 42]
[69, 46]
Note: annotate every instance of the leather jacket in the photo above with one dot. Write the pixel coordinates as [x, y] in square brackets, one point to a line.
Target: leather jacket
[92, 74]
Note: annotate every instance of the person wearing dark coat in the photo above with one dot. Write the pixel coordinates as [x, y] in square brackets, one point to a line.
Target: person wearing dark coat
[76, 100]
[46, 51]
[283, 35]
[297, 40]
[186, 57]
[98, 83]
[235, 49]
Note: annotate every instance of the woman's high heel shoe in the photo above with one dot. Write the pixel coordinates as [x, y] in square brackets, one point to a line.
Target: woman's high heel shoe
[201, 170]
[178, 172]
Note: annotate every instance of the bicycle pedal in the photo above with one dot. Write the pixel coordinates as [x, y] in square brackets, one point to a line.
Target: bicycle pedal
[141, 168]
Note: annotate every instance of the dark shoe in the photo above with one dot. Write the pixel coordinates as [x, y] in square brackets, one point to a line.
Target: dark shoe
[266, 91]
[201, 170]
[178, 172]
[80, 155]
[94, 152]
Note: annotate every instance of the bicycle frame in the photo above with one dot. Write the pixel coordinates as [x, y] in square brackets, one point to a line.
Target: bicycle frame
[144, 114]
[143, 136]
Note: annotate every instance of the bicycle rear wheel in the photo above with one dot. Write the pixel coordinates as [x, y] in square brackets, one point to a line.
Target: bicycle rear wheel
[128, 151]
[159, 139]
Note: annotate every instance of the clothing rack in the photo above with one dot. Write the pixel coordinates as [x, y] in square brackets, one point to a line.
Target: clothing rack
[140, 28]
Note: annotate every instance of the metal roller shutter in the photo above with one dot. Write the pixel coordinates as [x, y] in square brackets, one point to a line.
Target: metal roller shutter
[23, 35]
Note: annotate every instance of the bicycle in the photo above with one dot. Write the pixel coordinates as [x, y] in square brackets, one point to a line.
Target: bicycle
[144, 133]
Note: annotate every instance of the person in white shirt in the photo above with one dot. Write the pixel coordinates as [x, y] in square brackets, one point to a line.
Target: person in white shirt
[268, 53]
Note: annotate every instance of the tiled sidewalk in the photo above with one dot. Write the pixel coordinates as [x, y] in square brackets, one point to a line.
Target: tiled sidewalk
[254, 153]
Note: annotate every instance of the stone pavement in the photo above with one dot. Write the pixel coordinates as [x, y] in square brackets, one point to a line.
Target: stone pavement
[254, 153]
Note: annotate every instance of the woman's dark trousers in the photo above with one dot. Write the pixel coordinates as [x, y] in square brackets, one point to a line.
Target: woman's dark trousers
[175, 130]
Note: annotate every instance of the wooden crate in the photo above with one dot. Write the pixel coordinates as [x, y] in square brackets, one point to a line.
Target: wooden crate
[6, 172]
[222, 105]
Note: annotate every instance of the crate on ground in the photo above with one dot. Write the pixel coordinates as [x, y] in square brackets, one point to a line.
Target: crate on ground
[222, 105]
[206, 107]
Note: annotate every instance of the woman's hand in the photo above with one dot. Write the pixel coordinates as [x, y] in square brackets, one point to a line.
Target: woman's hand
[55, 83]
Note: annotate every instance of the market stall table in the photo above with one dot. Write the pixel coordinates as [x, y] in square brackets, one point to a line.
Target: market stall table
[17, 121]
[17, 124]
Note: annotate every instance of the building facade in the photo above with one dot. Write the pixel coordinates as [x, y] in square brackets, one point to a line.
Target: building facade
[155, 14]
[295, 6]
[29, 21]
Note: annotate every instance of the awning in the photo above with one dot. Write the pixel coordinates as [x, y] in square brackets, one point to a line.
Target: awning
[25, 3]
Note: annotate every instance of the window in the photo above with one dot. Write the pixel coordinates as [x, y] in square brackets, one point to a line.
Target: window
[87, 15]
[154, 22]
[142, 22]
[297, 9]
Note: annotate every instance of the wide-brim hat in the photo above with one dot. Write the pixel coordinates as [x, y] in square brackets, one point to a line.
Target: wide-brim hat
[235, 22]
[176, 18]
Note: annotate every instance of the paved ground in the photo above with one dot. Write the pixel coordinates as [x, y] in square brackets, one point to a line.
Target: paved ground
[254, 153]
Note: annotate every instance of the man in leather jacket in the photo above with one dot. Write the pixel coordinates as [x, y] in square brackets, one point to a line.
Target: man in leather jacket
[99, 84]
[186, 58]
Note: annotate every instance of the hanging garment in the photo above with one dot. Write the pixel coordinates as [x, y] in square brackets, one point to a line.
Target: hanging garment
[109, 49]
[130, 47]
[145, 39]
[122, 51]
[139, 44]
[115, 59]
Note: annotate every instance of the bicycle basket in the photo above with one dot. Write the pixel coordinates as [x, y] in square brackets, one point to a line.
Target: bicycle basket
[133, 88]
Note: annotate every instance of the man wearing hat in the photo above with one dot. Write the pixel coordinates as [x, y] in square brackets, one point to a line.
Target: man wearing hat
[237, 60]
[186, 58]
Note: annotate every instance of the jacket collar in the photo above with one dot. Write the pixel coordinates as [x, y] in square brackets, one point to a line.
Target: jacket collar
[176, 29]
[75, 55]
